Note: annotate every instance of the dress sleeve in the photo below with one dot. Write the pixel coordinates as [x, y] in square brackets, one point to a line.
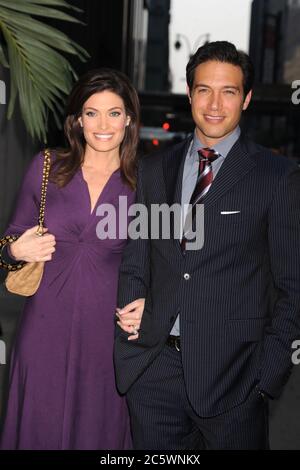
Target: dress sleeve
[26, 212]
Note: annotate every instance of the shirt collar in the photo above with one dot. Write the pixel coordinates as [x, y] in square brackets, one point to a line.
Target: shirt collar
[223, 147]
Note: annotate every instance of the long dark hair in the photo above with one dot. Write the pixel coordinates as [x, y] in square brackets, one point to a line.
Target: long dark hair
[68, 161]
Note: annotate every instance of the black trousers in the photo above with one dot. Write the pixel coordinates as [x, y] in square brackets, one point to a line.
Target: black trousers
[163, 419]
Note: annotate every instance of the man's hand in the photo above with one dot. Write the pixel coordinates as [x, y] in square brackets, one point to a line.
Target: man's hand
[130, 317]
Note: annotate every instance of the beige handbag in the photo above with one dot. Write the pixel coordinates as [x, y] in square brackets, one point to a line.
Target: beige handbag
[25, 278]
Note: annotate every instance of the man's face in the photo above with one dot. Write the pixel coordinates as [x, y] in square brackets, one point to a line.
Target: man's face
[217, 100]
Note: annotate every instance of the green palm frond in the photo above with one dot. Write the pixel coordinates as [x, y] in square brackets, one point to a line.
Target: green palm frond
[3, 59]
[40, 75]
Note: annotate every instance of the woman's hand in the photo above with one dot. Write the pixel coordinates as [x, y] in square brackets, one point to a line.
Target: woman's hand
[130, 317]
[31, 248]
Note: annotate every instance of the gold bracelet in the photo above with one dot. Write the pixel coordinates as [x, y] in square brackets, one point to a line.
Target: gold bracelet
[3, 264]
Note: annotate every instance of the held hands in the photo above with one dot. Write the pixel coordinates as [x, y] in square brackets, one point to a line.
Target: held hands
[130, 317]
[31, 248]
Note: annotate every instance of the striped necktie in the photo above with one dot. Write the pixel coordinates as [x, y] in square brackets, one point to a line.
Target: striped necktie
[204, 181]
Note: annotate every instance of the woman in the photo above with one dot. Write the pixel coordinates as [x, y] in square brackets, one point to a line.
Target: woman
[62, 389]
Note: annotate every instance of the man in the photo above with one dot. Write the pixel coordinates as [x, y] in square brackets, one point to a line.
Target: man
[215, 338]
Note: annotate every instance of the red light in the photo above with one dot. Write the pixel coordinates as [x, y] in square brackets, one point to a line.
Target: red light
[155, 142]
[166, 126]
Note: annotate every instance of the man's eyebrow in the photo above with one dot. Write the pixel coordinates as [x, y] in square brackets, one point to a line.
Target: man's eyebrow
[232, 87]
[203, 85]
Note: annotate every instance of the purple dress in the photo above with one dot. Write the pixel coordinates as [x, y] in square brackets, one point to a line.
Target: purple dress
[62, 387]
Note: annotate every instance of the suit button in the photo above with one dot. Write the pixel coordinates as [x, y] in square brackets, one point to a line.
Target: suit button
[172, 319]
[186, 276]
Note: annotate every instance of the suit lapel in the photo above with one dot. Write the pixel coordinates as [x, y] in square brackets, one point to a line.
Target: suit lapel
[173, 165]
[237, 164]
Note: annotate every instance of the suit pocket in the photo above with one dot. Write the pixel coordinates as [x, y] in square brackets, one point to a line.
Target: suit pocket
[250, 329]
[239, 219]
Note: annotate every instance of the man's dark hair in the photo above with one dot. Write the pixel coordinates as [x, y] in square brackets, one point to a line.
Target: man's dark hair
[221, 51]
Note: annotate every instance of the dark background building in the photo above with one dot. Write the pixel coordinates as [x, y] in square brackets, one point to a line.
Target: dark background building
[275, 40]
[274, 49]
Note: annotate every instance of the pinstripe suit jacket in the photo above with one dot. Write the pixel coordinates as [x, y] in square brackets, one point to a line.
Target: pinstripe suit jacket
[239, 310]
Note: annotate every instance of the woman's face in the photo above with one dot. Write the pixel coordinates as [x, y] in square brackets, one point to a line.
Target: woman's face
[104, 121]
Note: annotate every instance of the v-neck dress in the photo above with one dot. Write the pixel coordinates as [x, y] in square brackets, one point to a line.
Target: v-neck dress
[62, 392]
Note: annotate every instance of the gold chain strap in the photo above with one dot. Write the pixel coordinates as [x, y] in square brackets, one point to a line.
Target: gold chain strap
[46, 172]
[11, 238]
[3, 264]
